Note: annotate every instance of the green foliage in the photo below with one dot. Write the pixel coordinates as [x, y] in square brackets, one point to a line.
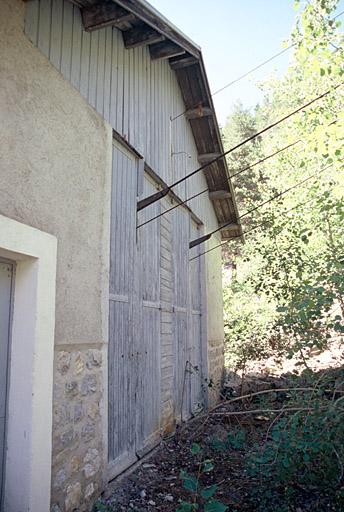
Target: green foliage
[215, 506]
[187, 507]
[202, 495]
[235, 440]
[287, 294]
[102, 507]
[304, 451]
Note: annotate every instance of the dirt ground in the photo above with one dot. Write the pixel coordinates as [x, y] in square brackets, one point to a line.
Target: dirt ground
[155, 485]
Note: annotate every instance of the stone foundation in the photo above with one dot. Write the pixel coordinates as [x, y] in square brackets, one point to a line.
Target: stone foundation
[216, 369]
[77, 466]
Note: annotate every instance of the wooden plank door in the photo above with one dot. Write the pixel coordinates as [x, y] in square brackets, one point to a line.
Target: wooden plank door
[148, 328]
[195, 325]
[122, 357]
[134, 319]
[6, 279]
[180, 245]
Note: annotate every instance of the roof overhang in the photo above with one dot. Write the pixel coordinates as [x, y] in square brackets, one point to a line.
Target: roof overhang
[142, 25]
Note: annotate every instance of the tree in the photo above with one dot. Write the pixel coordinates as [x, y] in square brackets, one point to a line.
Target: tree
[294, 262]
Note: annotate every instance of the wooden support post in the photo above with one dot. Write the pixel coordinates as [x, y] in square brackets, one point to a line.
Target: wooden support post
[219, 194]
[232, 228]
[207, 157]
[197, 113]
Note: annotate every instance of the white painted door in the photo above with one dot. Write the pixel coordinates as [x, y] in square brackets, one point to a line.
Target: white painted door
[6, 279]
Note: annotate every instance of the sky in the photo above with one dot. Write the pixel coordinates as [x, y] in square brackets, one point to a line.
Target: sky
[235, 36]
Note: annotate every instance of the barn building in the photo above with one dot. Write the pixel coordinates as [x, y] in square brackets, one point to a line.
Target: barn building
[109, 330]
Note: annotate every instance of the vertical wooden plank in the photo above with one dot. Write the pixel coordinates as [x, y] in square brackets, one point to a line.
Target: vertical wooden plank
[120, 84]
[126, 95]
[137, 72]
[56, 33]
[32, 20]
[148, 111]
[67, 33]
[44, 27]
[76, 48]
[122, 356]
[132, 78]
[194, 326]
[85, 62]
[116, 84]
[92, 77]
[148, 328]
[101, 72]
[154, 155]
[181, 297]
[107, 73]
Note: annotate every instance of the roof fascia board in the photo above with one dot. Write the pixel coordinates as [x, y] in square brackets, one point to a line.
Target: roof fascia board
[154, 19]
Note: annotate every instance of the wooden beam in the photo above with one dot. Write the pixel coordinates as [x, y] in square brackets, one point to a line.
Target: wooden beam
[102, 15]
[141, 36]
[164, 50]
[207, 157]
[78, 3]
[183, 61]
[219, 194]
[232, 228]
[153, 18]
[196, 113]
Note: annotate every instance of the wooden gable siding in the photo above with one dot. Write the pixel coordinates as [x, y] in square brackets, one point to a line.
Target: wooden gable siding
[136, 95]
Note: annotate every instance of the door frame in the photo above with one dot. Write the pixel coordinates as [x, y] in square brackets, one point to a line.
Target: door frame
[136, 305]
[8, 371]
[29, 439]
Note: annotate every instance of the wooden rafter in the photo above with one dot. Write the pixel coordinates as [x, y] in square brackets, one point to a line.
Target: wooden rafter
[219, 194]
[183, 61]
[102, 15]
[196, 113]
[164, 50]
[141, 36]
[207, 157]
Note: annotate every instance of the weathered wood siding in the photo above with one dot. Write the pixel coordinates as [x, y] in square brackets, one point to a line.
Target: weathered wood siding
[148, 327]
[136, 95]
[134, 323]
[157, 338]
[122, 340]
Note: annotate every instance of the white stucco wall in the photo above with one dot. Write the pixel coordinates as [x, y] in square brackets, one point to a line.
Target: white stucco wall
[55, 175]
[55, 170]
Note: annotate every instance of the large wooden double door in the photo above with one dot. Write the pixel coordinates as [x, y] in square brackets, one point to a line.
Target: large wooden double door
[135, 328]
[134, 321]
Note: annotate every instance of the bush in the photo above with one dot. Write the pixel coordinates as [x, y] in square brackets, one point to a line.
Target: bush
[304, 455]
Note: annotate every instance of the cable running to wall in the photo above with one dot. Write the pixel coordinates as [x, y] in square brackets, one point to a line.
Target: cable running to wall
[144, 203]
[206, 237]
